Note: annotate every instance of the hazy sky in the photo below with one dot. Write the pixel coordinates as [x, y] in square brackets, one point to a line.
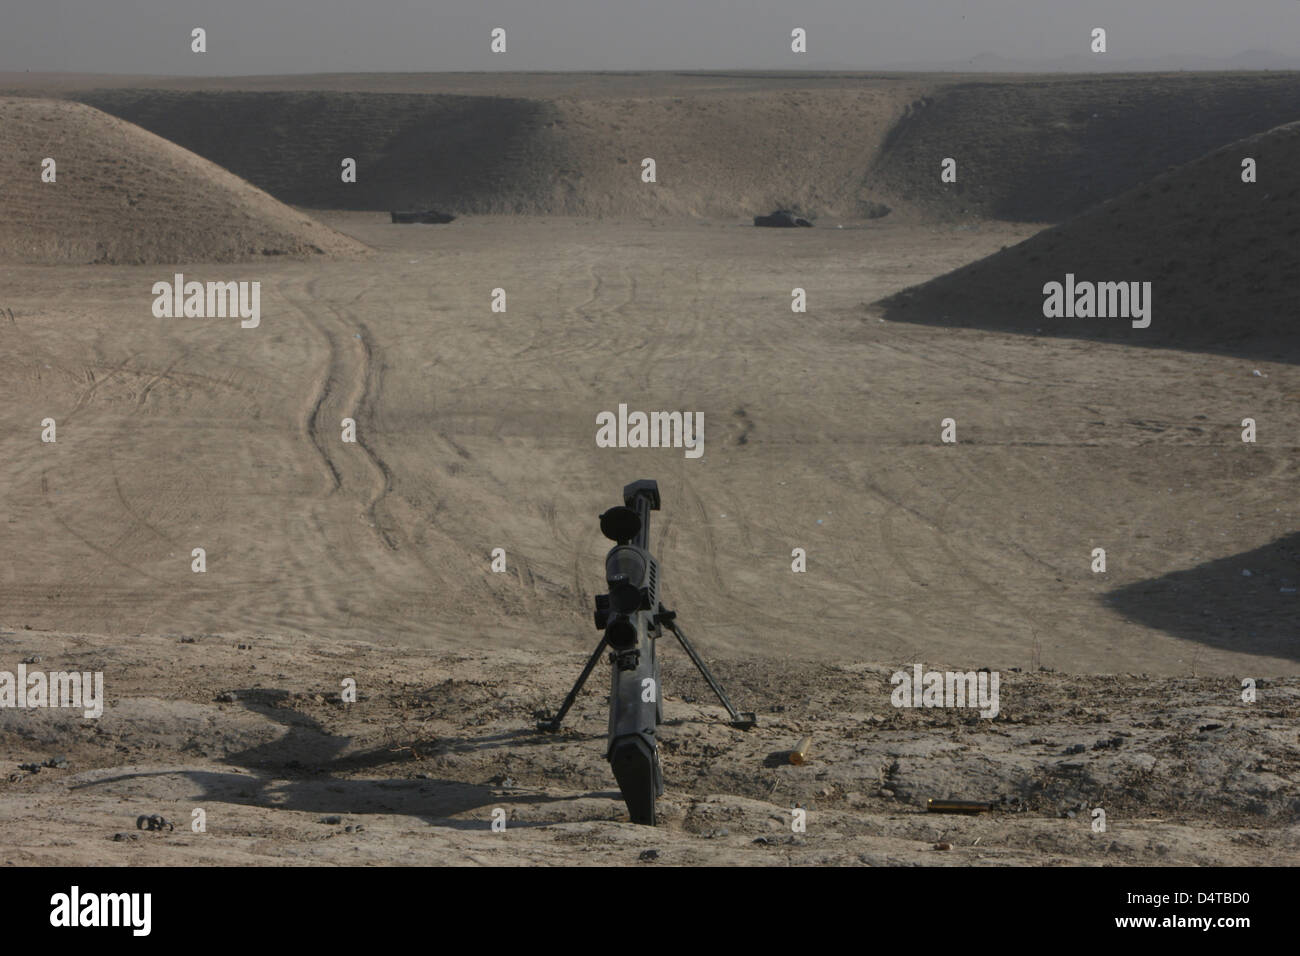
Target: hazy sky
[297, 36]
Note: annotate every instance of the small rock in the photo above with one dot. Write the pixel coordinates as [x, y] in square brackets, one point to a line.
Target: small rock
[227, 697]
[943, 846]
[333, 821]
[885, 792]
[1075, 749]
[124, 837]
[648, 856]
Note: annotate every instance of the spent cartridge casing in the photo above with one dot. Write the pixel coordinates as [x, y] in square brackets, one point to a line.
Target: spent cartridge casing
[799, 755]
[956, 806]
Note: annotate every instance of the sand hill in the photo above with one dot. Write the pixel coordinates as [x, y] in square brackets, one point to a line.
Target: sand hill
[1223, 258]
[726, 146]
[1042, 150]
[123, 195]
[729, 155]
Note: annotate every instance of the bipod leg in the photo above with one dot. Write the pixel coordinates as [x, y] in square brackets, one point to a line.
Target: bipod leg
[553, 723]
[738, 720]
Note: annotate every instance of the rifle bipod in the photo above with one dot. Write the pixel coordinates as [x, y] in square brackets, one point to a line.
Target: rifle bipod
[635, 758]
[632, 620]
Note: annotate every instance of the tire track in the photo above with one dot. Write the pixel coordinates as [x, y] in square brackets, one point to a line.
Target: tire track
[364, 411]
[165, 374]
[83, 399]
[109, 554]
[322, 386]
[362, 404]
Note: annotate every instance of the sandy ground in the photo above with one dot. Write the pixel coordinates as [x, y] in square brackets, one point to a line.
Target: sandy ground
[476, 431]
[256, 737]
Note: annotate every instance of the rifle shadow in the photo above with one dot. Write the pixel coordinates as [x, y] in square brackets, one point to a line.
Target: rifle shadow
[306, 770]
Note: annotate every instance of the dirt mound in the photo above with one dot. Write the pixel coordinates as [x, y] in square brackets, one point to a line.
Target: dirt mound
[1042, 150]
[1222, 258]
[717, 154]
[122, 195]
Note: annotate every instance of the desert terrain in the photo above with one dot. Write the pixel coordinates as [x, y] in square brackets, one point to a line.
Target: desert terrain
[328, 560]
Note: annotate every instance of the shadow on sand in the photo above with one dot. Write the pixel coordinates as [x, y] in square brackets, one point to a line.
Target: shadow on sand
[300, 771]
[1215, 604]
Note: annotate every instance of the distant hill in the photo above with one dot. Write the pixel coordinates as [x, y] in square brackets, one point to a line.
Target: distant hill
[1029, 149]
[1104, 63]
[1223, 258]
[718, 154]
[124, 195]
[1046, 149]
